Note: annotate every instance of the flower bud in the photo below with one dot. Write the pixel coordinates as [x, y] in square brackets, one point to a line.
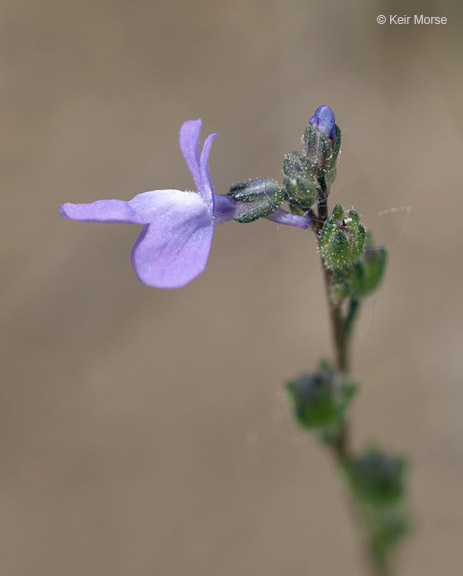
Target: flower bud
[253, 189]
[324, 121]
[377, 478]
[259, 198]
[301, 191]
[300, 184]
[322, 140]
[342, 239]
[321, 399]
[296, 163]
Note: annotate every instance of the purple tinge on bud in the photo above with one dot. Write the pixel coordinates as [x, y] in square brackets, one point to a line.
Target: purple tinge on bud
[323, 120]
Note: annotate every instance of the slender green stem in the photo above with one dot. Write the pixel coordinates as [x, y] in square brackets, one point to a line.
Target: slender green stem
[341, 327]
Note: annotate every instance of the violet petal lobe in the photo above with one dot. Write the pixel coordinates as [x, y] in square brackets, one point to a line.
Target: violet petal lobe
[288, 219]
[174, 247]
[100, 211]
[324, 120]
[189, 145]
[206, 189]
[140, 210]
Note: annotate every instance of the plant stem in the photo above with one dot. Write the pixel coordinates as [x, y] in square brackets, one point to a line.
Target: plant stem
[341, 328]
[341, 444]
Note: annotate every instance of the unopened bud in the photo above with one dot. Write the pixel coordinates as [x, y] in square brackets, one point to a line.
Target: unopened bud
[322, 140]
[377, 478]
[324, 121]
[259, 198]
[300, 184]
[251, 190]
[321, 399]
[296, 163]
[342, 239]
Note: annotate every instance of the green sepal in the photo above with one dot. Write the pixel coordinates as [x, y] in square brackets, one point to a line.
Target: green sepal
[259, 209]
[335, 149]
[301, 190]
[295, 209]
[252, 190]
[364, 277]
[342, 286]
[322, 151]
[300, 180]
[296, 163]
[317, 146]
[368, 272]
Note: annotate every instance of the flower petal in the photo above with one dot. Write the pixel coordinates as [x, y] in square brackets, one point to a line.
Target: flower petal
[174, 247]
[189, 145]
[206, 189]
[140, 210]
[288, 219]
[225, 208]
[100, 211]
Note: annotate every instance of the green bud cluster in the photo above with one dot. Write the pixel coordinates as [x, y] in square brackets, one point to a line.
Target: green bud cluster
[261, 196]
[342, 238]
[307, 176]
[320, 399]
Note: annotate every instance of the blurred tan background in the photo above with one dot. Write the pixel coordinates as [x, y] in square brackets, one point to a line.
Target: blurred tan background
[146, 432]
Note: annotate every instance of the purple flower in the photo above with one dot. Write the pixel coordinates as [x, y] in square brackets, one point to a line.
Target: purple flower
[323, 120]
[174, 244]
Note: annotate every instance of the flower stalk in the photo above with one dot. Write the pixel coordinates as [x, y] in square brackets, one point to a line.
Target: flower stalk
[352, 270]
